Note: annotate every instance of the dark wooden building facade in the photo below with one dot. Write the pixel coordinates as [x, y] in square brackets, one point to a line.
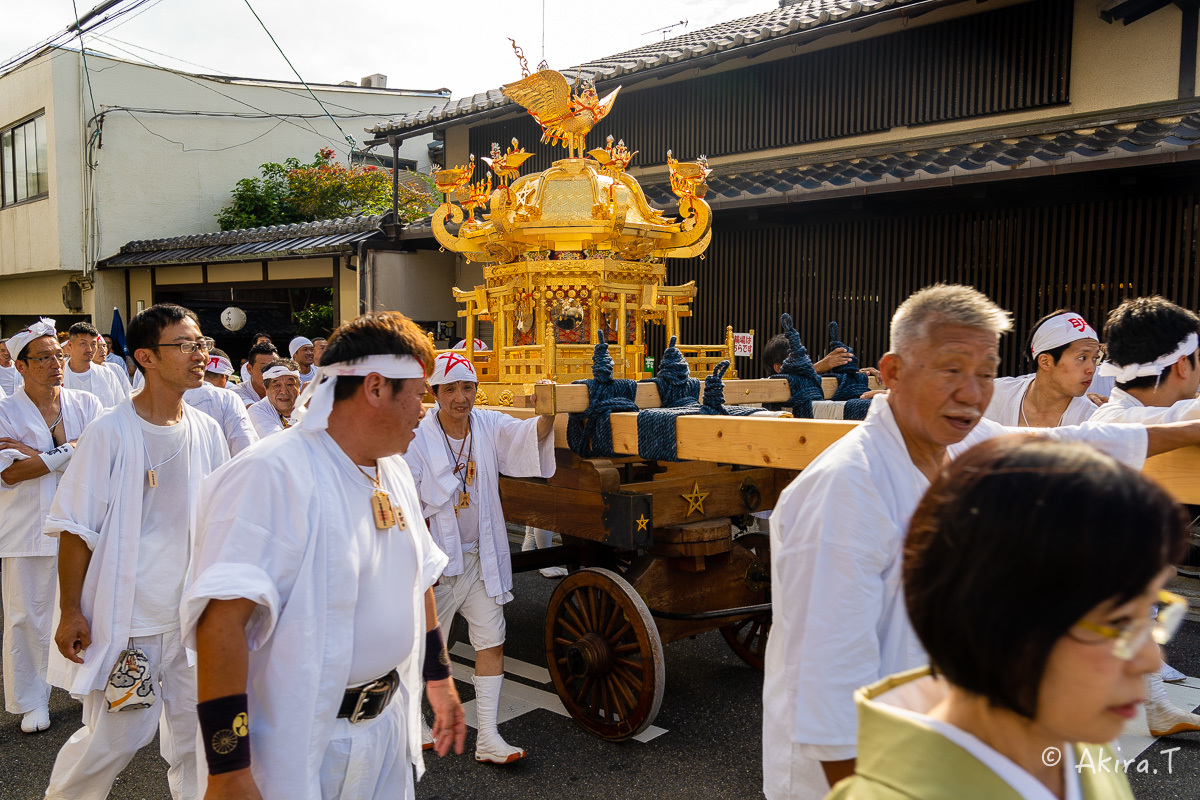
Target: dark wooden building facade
[1043, 151]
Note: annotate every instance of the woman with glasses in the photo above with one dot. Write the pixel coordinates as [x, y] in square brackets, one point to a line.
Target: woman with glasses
[1031, 572]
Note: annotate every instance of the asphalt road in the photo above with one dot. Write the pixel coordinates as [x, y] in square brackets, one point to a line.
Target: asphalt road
[711, 712]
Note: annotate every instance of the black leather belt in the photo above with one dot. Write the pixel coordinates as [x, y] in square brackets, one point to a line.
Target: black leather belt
[369, 701]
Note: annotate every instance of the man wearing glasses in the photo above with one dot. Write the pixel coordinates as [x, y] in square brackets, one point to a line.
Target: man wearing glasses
[85, 376]
[123, 515]
[39, 424]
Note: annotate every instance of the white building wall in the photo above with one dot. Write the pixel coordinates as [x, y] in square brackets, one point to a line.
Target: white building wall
[160, 175]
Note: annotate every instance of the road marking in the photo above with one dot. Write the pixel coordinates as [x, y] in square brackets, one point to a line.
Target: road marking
[519, 698]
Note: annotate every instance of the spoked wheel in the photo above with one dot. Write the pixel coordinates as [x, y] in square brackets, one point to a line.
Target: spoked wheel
[748, 637]
[604, 653]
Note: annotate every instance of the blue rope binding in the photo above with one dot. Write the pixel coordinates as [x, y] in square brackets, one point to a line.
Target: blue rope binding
[589, 433]
[797, 370]
[679, 394]
[851, 382]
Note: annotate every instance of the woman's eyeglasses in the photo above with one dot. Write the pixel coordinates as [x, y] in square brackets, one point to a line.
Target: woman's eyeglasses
[1128, 639]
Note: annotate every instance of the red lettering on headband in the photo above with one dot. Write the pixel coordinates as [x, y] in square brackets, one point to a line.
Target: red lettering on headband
[1078, 324]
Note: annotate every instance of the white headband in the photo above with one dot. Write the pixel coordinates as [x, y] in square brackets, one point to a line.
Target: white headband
[219, 365]
[1128, 372]
[278, 372]
[296, 344]
[316, 401]
[452, 367]
[17, 342]
[1063, 329]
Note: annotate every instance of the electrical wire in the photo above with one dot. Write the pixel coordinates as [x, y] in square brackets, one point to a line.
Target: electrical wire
[349, 139]
[83, 53]
[184, 148]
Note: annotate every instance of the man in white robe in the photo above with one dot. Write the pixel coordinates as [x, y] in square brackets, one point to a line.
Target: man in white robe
[81, 374]
[273, 413]
[1064, 350]
[313, 575]
[104, 358]
[304, 354]
[9, 377]
[258, 338]
[456, 460]
[1156, 373]
[252, 389]
[838, 530]
[39, 425]
[223, 405]
[124, 515]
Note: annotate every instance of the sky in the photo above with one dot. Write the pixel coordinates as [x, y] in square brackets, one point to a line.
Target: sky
[462, 45]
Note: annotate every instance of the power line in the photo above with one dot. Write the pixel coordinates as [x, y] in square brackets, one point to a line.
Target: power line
[184, 148]
[349, 139]
[83, 53]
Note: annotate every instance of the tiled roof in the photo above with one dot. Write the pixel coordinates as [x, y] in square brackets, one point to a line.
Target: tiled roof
[250, 244]
[768, 182]
[796, 17]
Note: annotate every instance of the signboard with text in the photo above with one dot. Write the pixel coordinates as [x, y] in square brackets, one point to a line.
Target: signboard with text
[743, 344]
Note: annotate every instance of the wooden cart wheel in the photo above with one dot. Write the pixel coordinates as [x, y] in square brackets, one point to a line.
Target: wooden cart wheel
[604, 653]
[748, 637]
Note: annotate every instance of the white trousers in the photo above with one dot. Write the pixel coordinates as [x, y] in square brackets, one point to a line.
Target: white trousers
[28, 596]
[368, 760]
[92, 758]
[465, 594]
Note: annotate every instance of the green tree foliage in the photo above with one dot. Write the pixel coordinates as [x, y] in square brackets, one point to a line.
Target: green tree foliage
[293, 192]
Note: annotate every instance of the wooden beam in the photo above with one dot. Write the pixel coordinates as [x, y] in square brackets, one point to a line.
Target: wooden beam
[573, 398]
[794, 443]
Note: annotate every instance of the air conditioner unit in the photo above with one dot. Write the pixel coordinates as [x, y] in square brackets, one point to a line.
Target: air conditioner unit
[72, 296]
[375, 81]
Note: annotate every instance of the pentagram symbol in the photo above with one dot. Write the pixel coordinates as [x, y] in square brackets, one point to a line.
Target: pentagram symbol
[224, 742]
[453, 359]
[240, 725]
[695, 499]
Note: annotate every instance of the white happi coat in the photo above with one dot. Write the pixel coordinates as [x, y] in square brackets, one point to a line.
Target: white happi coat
[118, 369]
[9, 379]
[1124, 407]
[99, 499]
[226, 408]
[500, 444]
[23, 506]
[273, 530]
[245, 390]
[836, 540]
[1008, 393]
[104, 384]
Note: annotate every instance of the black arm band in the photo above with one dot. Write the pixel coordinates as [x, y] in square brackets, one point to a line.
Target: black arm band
[225, 728]
[437, 660]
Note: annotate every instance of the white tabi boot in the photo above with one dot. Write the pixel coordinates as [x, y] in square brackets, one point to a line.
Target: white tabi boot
[1162, 716]
[36, 721]
[426, 734]
[1170, 674]
[489, 746]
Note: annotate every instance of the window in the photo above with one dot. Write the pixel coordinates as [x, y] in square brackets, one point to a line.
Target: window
[24, 165]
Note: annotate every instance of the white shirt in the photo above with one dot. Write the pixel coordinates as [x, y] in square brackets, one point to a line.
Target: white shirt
[163, 552]
[836, 539]
[282, 525]
[118, 368]
[245, 390]
[226, 408]
[305, 377]
[468, 518]
[265, 418]
[1124, 407]
[1009, 394]
[98, 380]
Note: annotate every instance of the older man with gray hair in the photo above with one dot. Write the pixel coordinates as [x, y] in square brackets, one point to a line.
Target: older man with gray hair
[838, 530]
